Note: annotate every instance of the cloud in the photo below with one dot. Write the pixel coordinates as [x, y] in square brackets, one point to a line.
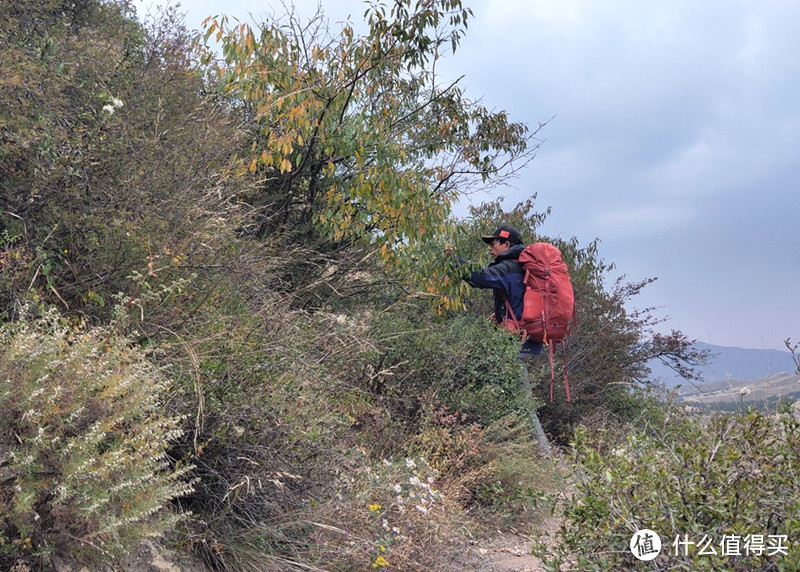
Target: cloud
[688, 164]
[649, 219]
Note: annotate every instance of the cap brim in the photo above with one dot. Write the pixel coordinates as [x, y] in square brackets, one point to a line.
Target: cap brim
[488, 239]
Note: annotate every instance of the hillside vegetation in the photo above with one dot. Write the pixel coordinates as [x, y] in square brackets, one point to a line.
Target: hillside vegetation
[228, 321]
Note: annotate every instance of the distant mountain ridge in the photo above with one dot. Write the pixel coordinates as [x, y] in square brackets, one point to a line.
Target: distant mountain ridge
[784, 385]
[728, 363]
[736, 375]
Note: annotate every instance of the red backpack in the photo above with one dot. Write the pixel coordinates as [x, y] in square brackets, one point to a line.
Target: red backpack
[549, 302]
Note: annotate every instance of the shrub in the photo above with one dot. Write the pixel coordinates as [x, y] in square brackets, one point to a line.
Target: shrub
[83, 440]
[101, 167]
[464, 362]
[459, 386]
[726, 483]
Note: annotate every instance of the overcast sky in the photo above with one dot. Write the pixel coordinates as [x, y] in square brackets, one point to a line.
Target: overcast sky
[675, 140]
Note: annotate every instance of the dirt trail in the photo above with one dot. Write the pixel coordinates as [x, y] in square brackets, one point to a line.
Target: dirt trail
[508, 552]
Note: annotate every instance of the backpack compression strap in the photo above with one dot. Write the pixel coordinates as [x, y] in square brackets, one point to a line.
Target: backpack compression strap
[514, 321]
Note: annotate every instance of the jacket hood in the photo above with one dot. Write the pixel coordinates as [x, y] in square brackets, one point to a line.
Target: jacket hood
[511, 254]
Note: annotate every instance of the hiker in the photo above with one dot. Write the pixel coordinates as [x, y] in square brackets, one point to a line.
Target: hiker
[506, 277]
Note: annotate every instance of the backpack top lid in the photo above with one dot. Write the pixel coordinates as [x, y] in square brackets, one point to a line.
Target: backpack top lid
[541, 258]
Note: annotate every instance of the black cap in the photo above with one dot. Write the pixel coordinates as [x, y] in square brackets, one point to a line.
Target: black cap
[504, 232]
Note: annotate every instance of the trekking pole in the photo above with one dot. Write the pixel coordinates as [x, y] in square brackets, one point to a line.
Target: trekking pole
[538, 431]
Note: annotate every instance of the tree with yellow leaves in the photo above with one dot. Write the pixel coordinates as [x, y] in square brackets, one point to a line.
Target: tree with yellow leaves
[356, 137]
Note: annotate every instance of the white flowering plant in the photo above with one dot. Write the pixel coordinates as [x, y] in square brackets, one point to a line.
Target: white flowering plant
[83, 445]
[393, 514]
[113, 104]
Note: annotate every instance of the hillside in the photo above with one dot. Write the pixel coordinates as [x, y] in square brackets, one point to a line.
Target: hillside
[230, 321]
[730, 363]
[736, 375]
[753, 391]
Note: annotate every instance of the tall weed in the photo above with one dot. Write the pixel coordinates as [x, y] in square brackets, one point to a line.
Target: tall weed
[83, 441]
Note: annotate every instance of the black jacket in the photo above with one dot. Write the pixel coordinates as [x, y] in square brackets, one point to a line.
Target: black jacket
[505, 276]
